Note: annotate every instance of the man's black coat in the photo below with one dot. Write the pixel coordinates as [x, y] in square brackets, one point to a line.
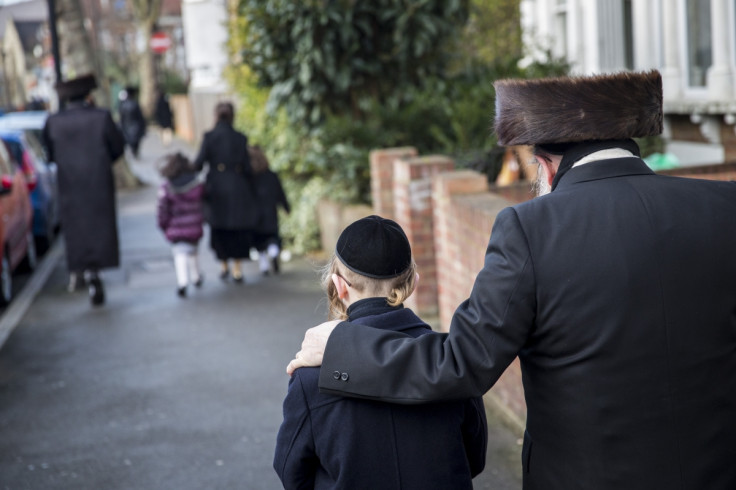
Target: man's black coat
[617, 292]
[85, 142]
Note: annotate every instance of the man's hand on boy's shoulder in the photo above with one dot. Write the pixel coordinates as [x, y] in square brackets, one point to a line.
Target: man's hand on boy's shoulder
[313, 346]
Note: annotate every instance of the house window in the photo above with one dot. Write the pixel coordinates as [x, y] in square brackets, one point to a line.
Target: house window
[699, 48]
[560, 29]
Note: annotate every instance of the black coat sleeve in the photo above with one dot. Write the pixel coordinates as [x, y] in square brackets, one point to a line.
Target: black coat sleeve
[48, 142]
[281, 195]
[203, 155]
[113, 138]
[486, 334]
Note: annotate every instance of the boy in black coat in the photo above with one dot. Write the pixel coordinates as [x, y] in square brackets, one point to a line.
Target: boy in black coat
[333, 442]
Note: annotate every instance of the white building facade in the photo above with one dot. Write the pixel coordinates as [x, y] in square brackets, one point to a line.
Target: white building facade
[691, 42]
[205, 35]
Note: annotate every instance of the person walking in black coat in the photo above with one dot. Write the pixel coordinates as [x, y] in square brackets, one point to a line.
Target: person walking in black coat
[331, 442]
[270, 195]
[164, 117]
[230, 203]
[132, 121]
[84, 142]
[616, 289]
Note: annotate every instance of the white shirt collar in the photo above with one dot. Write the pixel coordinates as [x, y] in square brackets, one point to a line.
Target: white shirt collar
[604, 155]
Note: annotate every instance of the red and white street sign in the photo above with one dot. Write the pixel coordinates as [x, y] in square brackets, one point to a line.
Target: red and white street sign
[160, 42]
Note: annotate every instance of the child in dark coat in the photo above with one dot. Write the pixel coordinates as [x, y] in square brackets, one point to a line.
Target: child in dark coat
[270, 195]
[328, 441]
[180, 218]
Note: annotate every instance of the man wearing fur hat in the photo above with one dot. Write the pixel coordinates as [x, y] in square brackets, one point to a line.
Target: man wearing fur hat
[84, 142]
[616, 290]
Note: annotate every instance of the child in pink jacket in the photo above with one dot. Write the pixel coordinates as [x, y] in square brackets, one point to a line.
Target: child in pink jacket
[180, 218]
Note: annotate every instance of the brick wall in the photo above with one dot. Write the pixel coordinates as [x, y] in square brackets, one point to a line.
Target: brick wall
[382, 177]
[413, 211]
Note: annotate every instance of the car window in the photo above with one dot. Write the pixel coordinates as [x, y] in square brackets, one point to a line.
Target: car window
[16, 151]
[34, 146]
[5, 168]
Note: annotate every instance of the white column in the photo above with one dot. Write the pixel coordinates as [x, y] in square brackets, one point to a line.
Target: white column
[646, 35]
[720, 75]
[671, 72]
[591, 37]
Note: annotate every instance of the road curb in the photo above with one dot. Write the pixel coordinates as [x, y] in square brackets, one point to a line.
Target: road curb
[18, 307]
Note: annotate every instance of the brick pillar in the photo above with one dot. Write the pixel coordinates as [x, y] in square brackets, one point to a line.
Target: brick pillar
[382, 177]
[413, 211]
[452, 239]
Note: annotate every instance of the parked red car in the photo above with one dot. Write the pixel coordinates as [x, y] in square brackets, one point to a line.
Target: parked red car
[16, 219]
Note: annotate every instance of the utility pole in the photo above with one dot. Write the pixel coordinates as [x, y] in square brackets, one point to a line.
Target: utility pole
[55, 51]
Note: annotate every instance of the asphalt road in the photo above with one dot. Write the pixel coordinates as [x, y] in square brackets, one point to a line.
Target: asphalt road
[155, 392]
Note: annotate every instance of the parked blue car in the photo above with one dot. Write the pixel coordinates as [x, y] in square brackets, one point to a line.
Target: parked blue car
[27, 150]
[33, 121]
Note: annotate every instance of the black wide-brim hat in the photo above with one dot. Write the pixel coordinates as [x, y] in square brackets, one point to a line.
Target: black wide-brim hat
[575, 109]
[375, 247]
[76, 87]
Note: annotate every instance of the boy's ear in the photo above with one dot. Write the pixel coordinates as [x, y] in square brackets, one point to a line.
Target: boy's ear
[340, 286]
[416, 281]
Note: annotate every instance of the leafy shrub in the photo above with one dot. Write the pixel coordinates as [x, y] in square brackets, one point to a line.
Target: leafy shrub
[321, 86]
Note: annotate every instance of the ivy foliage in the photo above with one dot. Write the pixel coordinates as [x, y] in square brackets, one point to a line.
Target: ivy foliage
[335, 57]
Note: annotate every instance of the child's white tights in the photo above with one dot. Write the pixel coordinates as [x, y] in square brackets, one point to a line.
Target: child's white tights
[186, 264]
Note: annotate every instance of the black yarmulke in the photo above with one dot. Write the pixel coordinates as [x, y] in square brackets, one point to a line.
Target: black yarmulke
[374, 247]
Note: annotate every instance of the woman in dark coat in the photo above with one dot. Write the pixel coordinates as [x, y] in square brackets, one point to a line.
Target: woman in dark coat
[164, 117]
[230, 204]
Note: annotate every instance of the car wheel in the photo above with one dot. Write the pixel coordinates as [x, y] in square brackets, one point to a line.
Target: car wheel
[6, 281]
[31, 260]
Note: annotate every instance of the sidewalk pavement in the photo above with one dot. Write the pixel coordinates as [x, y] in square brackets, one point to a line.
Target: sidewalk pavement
[152, 391]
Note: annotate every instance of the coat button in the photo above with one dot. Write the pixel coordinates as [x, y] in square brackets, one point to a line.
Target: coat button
[344, 376]
[336, 375]
[221, 167]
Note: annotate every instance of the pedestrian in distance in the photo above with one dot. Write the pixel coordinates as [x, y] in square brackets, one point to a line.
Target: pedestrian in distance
[180, 218]
[132, 121]
[84, 142]
[164, 117]
[270, 196]
[616, 289]
[328, 441]
[230, 203]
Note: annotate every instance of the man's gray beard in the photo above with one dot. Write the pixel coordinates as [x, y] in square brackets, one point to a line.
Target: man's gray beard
[541, 186]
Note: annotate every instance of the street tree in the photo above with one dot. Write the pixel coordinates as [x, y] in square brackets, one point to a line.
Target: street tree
[321, 57]
[78, 58]
[75, 46]
[146, 14]
[493, 32]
